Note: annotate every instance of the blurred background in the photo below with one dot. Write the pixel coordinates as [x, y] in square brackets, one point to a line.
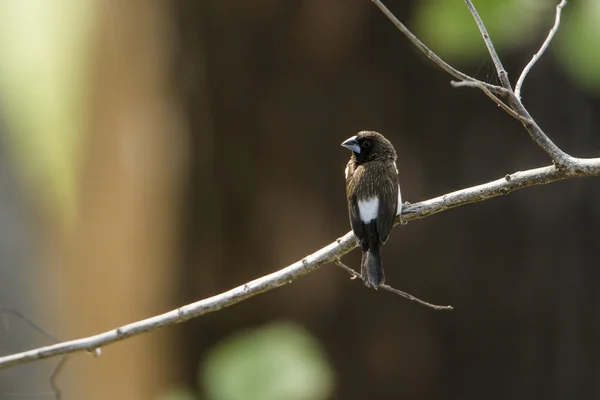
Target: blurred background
[154, 153]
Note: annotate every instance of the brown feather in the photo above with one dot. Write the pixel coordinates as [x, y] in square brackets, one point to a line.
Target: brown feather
[372, 173]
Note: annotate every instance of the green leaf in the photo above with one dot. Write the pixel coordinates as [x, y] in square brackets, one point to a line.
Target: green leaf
[578, 41]
[277, 361]
[449, 28]
[178, 393]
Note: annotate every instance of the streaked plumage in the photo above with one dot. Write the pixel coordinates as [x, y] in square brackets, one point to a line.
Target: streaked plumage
[374, 198]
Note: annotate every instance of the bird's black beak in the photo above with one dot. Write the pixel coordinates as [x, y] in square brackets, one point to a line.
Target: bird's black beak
[352, 144]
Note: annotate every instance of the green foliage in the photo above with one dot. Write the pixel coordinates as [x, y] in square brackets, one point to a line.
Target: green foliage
[449, 29]
[45, 47]
[178, 393]
[277, 361]
[578, 42]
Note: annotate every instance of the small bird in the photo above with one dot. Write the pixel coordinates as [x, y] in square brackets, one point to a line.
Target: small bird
[374, 199]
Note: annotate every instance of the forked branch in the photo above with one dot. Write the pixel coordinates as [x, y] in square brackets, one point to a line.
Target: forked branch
[504, 96]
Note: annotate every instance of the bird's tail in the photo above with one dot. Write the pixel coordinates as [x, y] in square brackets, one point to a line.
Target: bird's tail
[370, 267]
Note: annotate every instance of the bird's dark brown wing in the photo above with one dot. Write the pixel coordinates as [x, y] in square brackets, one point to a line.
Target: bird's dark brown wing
[355, 221]
[388, 203]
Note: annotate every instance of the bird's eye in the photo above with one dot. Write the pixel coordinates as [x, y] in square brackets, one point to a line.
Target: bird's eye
[366, 144]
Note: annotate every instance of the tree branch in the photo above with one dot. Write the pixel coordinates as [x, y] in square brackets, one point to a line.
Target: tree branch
[559, 157]
[495, 99]
[503, 95]
[490, 46]
[326, 255]
[434, 57]
[537, 55]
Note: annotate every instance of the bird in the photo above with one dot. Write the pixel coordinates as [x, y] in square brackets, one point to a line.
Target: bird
[374, 198]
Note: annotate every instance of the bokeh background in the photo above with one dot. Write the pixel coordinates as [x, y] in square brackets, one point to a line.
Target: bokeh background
[153, 153]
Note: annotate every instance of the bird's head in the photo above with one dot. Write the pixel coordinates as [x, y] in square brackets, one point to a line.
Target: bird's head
[370, 146]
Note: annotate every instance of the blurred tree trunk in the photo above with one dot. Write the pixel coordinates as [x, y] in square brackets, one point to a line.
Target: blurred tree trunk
[118, 257]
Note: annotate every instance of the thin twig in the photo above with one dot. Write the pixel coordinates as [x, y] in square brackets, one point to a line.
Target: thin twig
[542, 49]
[408, 296]
[490, 46]
[429, 53]
[17, 314]
[491, 95]
[57, 370]
[353, 273]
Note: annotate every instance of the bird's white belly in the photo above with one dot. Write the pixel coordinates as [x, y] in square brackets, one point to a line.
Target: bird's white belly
[368, 209]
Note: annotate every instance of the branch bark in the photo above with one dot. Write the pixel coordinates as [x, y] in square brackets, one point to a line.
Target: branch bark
[429, 53]
[502, 74]
[565, 166]
[559, 157]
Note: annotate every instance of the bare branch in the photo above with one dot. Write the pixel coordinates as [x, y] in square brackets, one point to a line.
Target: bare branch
[559, 157]
[57, 370]
[508, 184]
[353, 273]
[408, 296]
[503, 96]
[434, 57]
[326, 255]
[495, 99]
[17, 314]
[545, 45]
[490, 46]
[520, 113]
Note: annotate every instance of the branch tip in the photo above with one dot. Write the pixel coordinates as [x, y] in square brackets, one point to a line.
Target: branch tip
[542, 49]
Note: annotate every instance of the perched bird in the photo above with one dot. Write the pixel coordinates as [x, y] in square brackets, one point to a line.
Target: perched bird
[374, 199]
